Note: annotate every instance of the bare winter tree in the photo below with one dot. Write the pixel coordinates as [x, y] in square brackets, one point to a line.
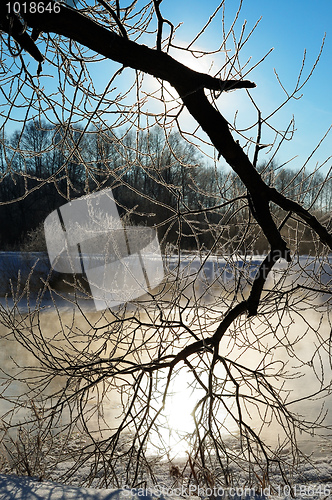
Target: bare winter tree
[221, 317]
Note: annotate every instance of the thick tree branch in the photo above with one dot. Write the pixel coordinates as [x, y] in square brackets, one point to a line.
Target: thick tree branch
[307, 217]
[215, 125]
[76, 26]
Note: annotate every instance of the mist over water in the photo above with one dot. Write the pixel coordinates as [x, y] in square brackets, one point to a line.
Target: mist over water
[307, 364]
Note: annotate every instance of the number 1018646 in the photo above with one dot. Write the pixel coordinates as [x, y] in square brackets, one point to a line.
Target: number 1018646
[33, 7]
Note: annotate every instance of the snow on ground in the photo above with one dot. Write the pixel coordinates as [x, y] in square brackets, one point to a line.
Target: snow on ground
[310, 481]
[26, 488]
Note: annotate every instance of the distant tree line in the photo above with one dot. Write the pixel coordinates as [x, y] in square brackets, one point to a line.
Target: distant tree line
[156, 180]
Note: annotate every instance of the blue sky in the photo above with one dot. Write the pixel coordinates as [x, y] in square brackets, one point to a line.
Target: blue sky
[289, 26]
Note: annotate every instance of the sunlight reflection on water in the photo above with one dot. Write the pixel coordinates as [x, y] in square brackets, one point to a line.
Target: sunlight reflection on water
[177, 421]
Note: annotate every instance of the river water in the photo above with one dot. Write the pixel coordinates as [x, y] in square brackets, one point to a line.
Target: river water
[77, 332]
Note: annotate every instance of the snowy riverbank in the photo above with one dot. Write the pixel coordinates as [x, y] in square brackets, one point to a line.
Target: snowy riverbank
[26, 488]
